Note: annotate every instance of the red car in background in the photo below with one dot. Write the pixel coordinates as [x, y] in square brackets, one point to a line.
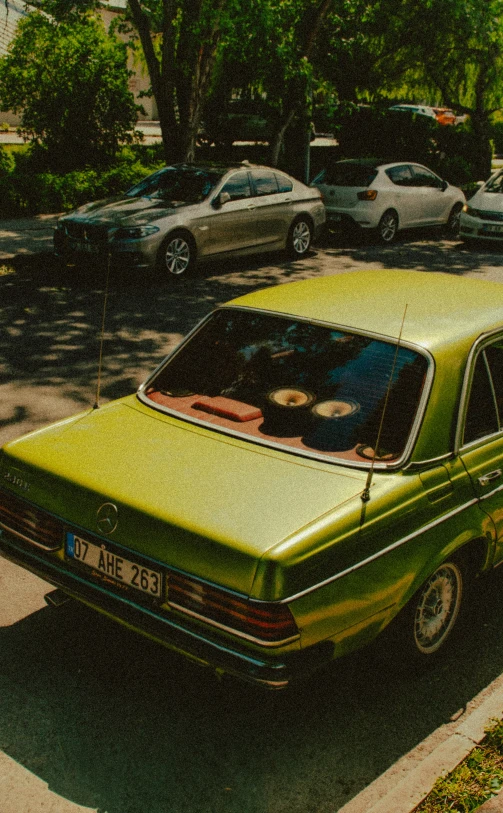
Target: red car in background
[444, 115]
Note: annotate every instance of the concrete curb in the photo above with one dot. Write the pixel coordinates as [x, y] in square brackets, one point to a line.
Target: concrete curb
[407, 783]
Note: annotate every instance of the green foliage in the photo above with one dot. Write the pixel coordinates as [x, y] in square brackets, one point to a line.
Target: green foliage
[27, 187]
[376, 132]
[68, 80]
[477, 779]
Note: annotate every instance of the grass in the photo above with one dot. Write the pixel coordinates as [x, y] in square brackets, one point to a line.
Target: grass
[478, 778]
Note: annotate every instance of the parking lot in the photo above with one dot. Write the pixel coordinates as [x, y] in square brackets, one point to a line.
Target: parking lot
[108, 721]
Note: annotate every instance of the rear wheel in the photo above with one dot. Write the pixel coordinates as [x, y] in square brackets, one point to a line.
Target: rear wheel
[177, 255]
[388, 226]
[429, 619]
[299, 237]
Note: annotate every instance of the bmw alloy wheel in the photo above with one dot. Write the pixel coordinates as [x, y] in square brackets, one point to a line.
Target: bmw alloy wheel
[178, 255]
[300, 238]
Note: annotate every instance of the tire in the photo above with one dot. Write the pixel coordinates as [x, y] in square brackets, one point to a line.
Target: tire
[177, 255]
[388, 226]
[427, 622]
[452, 225]
[299, 238]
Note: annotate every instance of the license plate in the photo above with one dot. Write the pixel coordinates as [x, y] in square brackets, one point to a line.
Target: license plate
[111, 566]
[87, 248]
[497, 229]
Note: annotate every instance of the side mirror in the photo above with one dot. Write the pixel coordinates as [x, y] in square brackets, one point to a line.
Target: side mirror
[220, 199]
[444, 185]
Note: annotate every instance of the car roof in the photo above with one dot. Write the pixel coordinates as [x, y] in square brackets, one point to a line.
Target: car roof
[442, 311]
[216, 166]
[376, 163]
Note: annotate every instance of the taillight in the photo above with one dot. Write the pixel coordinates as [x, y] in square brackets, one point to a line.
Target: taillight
[29, 523]
[262, 621]
[369, 194]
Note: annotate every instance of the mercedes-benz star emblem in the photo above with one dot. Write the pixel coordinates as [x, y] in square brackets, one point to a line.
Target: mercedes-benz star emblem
[107, 518]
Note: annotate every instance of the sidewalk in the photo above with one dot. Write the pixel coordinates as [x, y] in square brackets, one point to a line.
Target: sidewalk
[406, 784]
[26, 235]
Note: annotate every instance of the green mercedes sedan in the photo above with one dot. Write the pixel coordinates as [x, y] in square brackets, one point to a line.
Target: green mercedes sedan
[315, 462]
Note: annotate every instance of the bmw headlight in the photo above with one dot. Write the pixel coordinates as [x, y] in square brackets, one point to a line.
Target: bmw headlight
[135, 232]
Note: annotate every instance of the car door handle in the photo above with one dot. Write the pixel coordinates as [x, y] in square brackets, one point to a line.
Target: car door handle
[490, 477]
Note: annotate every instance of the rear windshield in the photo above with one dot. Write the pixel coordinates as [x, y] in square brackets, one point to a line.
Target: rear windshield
[346, 174]
[303, 385]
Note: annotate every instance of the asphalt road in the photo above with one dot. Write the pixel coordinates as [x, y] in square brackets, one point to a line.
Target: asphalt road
[97, 716]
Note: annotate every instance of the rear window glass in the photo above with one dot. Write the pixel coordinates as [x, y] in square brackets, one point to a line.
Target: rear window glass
[299, 384]
[284, 183]
[348, 175]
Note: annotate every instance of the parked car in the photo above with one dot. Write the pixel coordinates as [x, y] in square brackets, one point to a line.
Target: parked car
[482, 215]
[444, 115]
[387, 197]
[316, 462]
[248, 120]
[185, 213]
[418, 109]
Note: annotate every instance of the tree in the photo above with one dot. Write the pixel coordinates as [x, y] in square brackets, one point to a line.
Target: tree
[68, 79]
[447, 51]
[459, 45]
[180, 40]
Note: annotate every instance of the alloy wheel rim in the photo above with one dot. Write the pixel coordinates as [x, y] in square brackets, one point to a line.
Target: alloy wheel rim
[301, 238]
[388, 228]
[177, 256]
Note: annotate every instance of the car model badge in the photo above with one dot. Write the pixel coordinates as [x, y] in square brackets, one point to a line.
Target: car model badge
[107, 518]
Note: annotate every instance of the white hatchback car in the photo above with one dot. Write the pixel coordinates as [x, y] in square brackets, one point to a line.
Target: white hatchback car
[387, 197]
[482, 215]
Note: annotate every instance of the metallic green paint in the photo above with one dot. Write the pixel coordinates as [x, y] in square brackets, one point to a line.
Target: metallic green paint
[269, 524]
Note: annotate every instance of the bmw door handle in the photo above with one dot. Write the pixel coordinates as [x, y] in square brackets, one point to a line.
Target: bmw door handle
[490, 477]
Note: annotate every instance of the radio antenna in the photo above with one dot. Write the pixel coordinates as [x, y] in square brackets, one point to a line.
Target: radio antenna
[102, 335]
[365, 495]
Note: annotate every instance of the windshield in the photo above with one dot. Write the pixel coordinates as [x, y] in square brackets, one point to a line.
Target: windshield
[187, 184]
[495, 184]
[302, 385]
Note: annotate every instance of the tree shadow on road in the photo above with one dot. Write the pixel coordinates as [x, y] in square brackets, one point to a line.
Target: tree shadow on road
[112, 721]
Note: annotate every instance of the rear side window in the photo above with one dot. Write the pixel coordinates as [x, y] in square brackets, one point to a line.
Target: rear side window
[284, 183]
[484, 415]
[264, 182]
[348, 174]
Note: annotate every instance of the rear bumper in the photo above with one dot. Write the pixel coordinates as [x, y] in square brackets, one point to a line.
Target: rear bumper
[340, 221]
[270, 672]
